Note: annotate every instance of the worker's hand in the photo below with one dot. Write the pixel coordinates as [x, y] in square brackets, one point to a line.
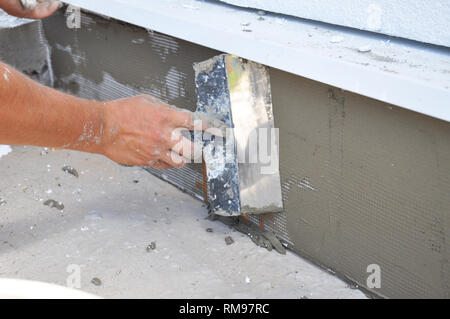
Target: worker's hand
[43, 9]
[144, 131]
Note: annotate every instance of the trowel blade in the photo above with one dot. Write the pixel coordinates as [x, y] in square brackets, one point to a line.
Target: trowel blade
[242, 171]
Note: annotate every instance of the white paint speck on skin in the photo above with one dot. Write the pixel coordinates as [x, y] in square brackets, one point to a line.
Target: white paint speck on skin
[5, 74]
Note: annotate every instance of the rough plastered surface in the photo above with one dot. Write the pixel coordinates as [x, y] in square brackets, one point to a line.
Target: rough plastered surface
[425, 21]
[364, 182]
[112, 214]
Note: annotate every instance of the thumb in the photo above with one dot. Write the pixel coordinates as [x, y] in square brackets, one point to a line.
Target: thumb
[44, 9]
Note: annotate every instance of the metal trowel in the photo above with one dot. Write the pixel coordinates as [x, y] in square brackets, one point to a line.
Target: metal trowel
[242, 169]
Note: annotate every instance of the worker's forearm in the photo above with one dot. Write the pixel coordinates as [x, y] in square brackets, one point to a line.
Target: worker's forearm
[140, 130]
[32, 114]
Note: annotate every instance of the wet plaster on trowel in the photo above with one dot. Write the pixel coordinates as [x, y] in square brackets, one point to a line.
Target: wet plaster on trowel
[112, 214]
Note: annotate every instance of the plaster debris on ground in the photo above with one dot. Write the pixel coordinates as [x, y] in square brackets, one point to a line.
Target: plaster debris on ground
[132, 235]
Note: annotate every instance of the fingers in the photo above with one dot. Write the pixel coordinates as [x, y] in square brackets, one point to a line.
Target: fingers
[44, 9]
[167, 160]
[173, 159]
[191, 151]
[187, 119]
[198, 121]
[183, 146]
[180, 151]
[209, 122]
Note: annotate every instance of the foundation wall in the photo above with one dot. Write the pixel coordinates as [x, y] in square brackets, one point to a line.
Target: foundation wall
[363, 182]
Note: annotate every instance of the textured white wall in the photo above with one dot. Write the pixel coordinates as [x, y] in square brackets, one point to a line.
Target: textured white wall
[421, 20]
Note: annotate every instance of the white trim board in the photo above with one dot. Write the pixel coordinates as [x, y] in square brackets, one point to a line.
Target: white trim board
[404, 73]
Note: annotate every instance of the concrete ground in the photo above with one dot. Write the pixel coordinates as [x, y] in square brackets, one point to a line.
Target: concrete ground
[112, 214]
